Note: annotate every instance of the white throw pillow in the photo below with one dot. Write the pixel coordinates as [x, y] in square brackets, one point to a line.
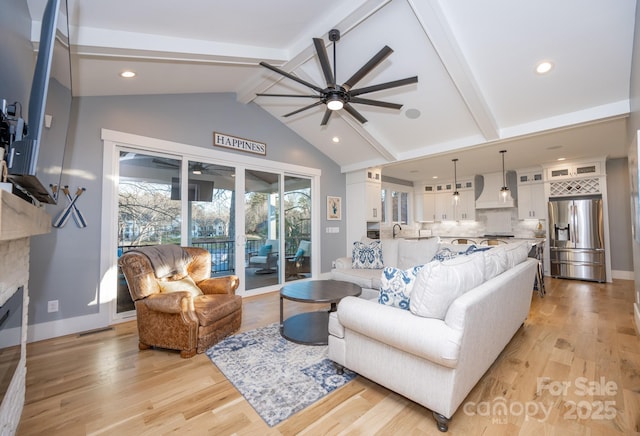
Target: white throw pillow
[516, 253]
[390, 251]
[495, 262]
[438, 284]
[412, 252]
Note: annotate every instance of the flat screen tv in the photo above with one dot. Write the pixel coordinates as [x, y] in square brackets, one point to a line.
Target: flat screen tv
[35, 161]
[198, 190]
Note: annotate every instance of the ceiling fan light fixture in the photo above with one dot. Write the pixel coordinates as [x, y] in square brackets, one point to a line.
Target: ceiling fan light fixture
[544, 67]
[335, 103]
[335, 96]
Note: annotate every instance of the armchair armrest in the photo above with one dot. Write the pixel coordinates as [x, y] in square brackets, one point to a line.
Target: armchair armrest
[220, 285]
[172, 302]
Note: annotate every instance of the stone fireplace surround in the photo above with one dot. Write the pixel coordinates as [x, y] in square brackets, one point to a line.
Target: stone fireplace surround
[19, 221]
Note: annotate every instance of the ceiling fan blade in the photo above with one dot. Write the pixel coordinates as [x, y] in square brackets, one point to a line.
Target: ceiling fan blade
[324, 62]
[325, 118]
[387, 85]
[302, 109]
[366, 68]
[288, 95]
[375, 103]
[354, 113]
[291, 76]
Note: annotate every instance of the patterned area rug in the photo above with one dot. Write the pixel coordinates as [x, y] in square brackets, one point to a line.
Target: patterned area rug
[277, 377]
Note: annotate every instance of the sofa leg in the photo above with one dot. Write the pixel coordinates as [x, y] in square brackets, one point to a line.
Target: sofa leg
[443, 422]
[142, 346]
[339, 368]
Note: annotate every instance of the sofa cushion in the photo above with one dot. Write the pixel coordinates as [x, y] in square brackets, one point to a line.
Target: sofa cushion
[516, 253]
[184, 284]
[390, 251]
[362, 277]
[367, 255]
[396, 286]
[495, 262]
[412, 252]
[438, 284]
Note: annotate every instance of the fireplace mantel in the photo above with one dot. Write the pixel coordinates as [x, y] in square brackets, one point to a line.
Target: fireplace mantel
[19, 219]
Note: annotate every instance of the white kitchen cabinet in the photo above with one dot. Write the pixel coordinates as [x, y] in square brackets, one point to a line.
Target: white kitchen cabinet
[573, 170]
[363, 203]
[532, 203]
[373, 201]
[465, 210]
[426, 203]
[444, 210]
[428, 207]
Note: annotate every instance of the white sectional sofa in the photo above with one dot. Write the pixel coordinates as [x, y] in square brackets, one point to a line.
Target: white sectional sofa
[462, 312]
[399, 253]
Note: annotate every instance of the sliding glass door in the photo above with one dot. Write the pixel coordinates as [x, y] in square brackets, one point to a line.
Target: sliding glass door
[166, 198]
[263, 245]
[149, 208]
[211, 213]
[297, 227]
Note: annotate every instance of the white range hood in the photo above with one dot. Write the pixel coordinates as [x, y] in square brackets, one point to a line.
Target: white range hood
[488, 190]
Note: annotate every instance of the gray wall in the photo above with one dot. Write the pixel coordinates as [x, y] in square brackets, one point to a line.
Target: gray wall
[619, 214]
[65, 263]
[634, 126]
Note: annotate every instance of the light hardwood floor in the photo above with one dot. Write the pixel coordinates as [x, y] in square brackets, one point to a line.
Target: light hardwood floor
[580, 336]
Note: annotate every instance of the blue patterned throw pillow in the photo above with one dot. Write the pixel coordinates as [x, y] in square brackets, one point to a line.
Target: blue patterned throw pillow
[446, 253]
[367, 256]
[396, 286]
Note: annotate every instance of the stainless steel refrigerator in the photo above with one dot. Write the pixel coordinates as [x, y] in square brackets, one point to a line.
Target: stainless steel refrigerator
[576, 238]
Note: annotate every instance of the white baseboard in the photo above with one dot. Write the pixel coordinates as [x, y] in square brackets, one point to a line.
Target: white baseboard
[636, 310]
[622, 275]
[54, 329]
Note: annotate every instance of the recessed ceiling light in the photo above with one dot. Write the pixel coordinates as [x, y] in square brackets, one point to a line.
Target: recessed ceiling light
[335, 139]
[434, 177]
[544, 67]
[562, 158]
[128, 74]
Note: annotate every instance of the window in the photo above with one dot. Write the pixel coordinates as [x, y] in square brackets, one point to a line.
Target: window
[395, 204]
[399, 207]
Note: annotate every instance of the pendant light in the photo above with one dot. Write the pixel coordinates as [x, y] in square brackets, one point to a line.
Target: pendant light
[504, 191]
[456, 194]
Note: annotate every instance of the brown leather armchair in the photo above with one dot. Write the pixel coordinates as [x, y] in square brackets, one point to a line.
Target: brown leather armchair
[176, 319]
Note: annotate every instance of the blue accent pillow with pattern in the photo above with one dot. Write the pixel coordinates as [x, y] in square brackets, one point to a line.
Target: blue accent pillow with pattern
[446, 253]
[396, 286]
[367, 256]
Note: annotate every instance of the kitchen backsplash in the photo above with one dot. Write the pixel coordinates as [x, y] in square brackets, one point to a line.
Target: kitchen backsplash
[487, 221]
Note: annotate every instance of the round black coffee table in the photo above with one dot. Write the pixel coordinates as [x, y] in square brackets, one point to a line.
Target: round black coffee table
[312, 328]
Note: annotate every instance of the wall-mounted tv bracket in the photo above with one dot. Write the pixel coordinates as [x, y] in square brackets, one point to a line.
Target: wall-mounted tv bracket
[70, 208]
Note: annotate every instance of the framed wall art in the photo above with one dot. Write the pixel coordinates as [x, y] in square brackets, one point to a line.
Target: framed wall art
[334, 208]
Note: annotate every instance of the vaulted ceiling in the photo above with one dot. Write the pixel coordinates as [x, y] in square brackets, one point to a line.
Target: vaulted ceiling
[477, 93]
